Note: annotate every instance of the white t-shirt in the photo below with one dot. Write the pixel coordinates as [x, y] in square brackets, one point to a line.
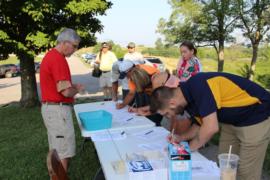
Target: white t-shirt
[116, 74]
[135, 56]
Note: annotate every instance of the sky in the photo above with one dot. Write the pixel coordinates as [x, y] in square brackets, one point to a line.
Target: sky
[136, 21]
[133, 20]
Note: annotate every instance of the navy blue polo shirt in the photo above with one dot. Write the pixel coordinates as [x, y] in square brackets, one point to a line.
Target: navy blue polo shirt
[237, 101]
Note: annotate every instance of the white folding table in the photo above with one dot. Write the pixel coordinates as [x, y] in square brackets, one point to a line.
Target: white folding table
[108, 153]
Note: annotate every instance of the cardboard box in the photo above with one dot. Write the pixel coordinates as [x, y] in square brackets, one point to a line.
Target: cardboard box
[180, 164]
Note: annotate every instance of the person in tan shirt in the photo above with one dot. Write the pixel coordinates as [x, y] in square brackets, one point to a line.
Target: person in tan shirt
[105, 58]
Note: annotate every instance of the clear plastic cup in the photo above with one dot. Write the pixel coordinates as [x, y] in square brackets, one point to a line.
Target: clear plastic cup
[228, 167]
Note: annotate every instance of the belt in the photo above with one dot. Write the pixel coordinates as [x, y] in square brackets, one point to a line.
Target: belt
[57, 103]
[105, 71]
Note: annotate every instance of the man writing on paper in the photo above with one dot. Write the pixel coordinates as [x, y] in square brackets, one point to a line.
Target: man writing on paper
[57, 92]
[241, 106]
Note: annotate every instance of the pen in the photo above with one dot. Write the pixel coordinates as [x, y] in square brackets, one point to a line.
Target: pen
[129, 119]
[133, 105]
[172, 134]
[148, 132]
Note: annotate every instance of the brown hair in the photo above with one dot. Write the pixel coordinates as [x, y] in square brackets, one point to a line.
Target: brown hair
[160, 98]
[190, 46]
[140, 78]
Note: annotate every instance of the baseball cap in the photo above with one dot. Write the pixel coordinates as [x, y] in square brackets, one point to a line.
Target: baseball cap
[131, 44]
[105, 45]
[124, 67]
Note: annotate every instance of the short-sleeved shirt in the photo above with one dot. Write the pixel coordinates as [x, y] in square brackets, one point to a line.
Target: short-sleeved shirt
[188, 68]
[107, 60]
[53, 68]
[150, 71]
[135, 56]
[116, 74]
[237, 101]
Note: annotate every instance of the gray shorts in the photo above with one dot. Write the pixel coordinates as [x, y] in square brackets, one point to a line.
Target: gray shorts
[60, 129]
[105, 79]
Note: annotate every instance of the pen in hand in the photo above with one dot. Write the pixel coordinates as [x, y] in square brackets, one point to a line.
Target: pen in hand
[172, 135]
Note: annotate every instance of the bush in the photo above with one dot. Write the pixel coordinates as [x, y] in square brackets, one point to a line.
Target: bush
[165, 52]
[264, 80]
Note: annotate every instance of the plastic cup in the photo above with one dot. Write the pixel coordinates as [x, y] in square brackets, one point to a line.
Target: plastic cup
[228, 167]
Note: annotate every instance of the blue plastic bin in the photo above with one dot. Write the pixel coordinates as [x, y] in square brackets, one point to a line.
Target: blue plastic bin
[96, 120]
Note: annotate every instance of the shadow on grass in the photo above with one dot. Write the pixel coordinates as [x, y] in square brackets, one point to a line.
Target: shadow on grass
[24, 146]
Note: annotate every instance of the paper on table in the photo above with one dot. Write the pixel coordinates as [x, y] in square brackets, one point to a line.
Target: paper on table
[152, 134]
[205, 168]
[118, 114]
[106, 136]
[155, 146]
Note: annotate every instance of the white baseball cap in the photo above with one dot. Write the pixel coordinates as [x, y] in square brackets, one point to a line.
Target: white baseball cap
[125, 66]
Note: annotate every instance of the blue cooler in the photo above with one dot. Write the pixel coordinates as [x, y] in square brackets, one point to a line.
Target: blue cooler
[180, 161]
[96, 120]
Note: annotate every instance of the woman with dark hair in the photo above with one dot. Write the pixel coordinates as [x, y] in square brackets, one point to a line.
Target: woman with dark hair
[189, 64]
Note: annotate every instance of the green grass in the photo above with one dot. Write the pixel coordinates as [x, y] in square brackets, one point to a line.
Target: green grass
[24, 147]
[10, 60]
[14, 60]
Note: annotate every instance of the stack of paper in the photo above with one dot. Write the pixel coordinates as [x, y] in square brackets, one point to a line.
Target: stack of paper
[108, 136]
[154, 146]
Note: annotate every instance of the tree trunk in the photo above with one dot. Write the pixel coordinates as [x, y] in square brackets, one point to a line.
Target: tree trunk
[251, 73]
[29, 95]
[221, 56]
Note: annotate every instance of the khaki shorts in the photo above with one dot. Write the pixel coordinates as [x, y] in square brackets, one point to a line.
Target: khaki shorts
[250, 143]
[60, 129]
[105, 79]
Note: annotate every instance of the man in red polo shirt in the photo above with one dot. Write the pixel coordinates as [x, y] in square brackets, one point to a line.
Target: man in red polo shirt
[57, 92]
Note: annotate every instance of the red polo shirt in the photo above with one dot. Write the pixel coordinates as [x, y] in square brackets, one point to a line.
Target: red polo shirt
[54, 68]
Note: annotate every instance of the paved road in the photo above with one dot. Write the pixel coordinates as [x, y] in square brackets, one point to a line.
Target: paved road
[10, 88]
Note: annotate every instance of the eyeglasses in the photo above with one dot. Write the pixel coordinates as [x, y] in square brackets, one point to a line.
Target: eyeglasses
[130, 47]
[168, 77]
[75, 46]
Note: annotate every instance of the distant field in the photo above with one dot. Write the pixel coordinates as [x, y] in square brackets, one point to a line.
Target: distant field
[209, 64]
[231, 66]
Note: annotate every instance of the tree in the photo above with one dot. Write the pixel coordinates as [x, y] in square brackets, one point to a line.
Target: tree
[116, 49]
[31, 26]
[205, 22]
[255, 23]
[159, 43]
